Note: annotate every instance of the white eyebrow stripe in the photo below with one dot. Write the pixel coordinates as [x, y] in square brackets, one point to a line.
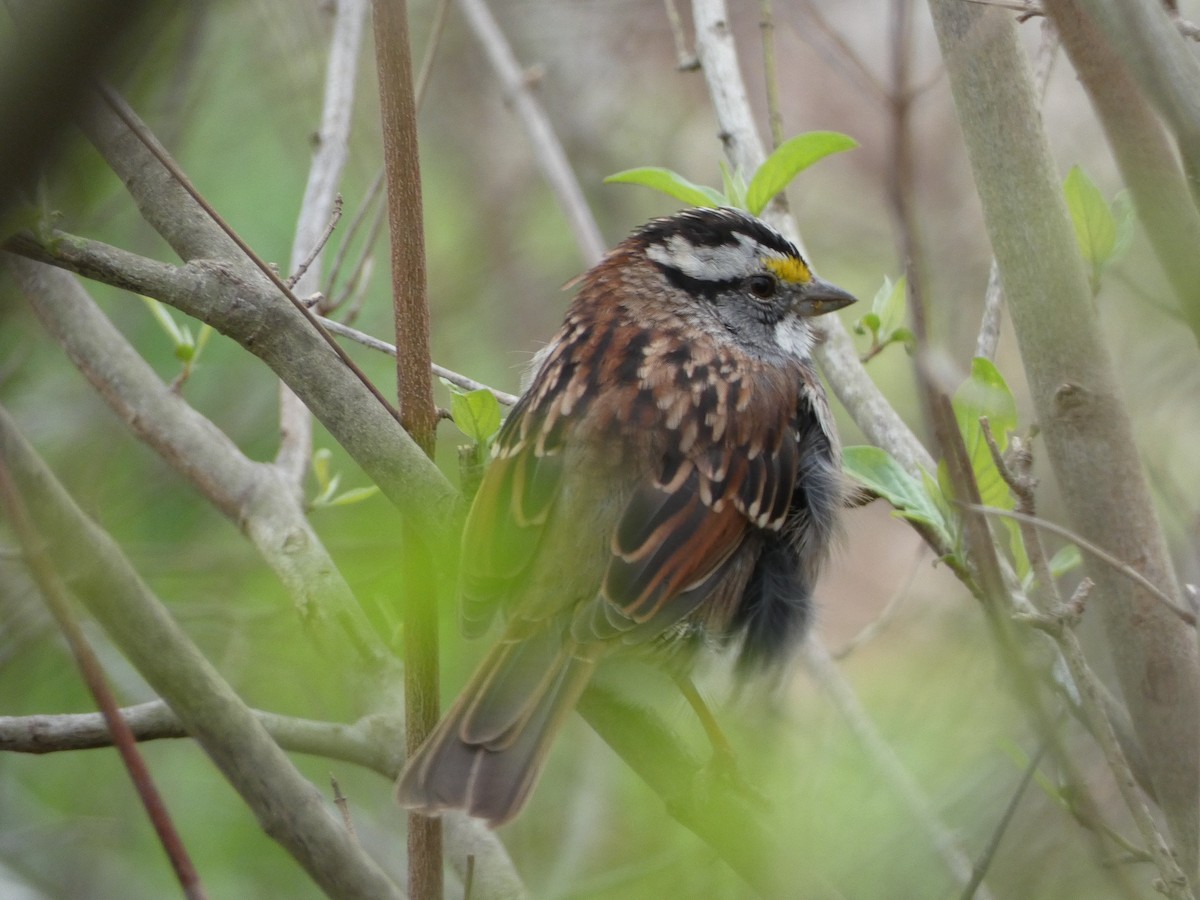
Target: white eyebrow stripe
[721, 262]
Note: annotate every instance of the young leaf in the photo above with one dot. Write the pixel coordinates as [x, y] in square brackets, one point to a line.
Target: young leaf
[354, 495]
[733, 183]
[670, 183]
[1065, 560]
[791, 158]
[890, 307]
[1095, 227]
[476, 413]
[985, 393]
[164, 320]
[876, 469]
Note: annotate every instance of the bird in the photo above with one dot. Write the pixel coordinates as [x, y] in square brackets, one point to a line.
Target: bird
[670, 479]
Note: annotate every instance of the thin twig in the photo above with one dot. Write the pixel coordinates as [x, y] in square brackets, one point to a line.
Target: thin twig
[462, 381]
[827, 676]
[42, 569]
[984, 862]
[334, 218]
[414, 383]
[122, 110]
[1117, 565]
[547, 149]
[343, 808]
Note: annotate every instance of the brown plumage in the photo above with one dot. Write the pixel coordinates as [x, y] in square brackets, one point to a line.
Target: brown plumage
[670, 475]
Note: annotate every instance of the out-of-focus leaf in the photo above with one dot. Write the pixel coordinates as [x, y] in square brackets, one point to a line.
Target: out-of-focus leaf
[670, 183]
[1067, 559]
[1095, 227]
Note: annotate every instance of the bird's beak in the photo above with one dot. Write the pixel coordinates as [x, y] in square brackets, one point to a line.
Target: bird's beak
[818, 297]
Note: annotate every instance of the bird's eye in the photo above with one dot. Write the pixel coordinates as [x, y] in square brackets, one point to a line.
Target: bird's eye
[762, 286]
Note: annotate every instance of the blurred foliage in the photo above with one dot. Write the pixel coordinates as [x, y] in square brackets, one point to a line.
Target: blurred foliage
[233, 89]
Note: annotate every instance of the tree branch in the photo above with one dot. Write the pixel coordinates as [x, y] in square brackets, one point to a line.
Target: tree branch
[316, 209]
[287, 806]
[1089, 438]
[546, 147]
[253, 496]
[835, 349]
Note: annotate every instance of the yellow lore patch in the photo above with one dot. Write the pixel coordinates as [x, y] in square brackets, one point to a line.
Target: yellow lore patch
[789, 268]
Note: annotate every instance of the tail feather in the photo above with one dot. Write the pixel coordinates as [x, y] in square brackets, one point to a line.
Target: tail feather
[487, 752]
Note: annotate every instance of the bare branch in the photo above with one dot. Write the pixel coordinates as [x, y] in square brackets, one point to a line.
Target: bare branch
[1088, 435]
[835, 350]
[54, 593]
[252, 313]
[253, 496]
[546, 148]
[288, 807]
[823, 671]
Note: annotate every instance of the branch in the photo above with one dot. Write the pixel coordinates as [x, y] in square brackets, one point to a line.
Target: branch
[1143, 151]
[55, 595]
[253, 496]
[247, 309]
[287, 806]
[835, 350]
[316, 211]
[546, 147]
[374, 742]
[1151, 45]
[1088, 435]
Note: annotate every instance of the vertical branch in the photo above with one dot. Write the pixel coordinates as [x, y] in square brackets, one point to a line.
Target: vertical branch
[398, 111]
[1143, 151]
[397, 100]
[1088, 435]
[546, 147]
[320, 196]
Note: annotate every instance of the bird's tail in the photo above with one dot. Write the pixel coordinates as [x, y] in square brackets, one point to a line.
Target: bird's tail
[485, 755]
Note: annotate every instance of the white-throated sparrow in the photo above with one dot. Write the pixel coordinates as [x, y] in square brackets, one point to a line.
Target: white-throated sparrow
[671, 474]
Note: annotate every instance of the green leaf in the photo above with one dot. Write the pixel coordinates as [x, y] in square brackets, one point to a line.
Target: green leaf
[876, 469]
[985, 393]
[320, 467]
[869, 322]
[476, 413]
[670, 183]
[1095, 227]
[1067, 559]
[354, 495]
[791, 158]
[890, 306]
[164, 320]
[1124, 214]
[733, 183]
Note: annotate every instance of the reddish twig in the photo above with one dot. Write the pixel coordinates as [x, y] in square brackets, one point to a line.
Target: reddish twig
[47, 580]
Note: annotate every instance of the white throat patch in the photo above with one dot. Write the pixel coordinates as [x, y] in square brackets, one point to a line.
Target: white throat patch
[794, 337]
